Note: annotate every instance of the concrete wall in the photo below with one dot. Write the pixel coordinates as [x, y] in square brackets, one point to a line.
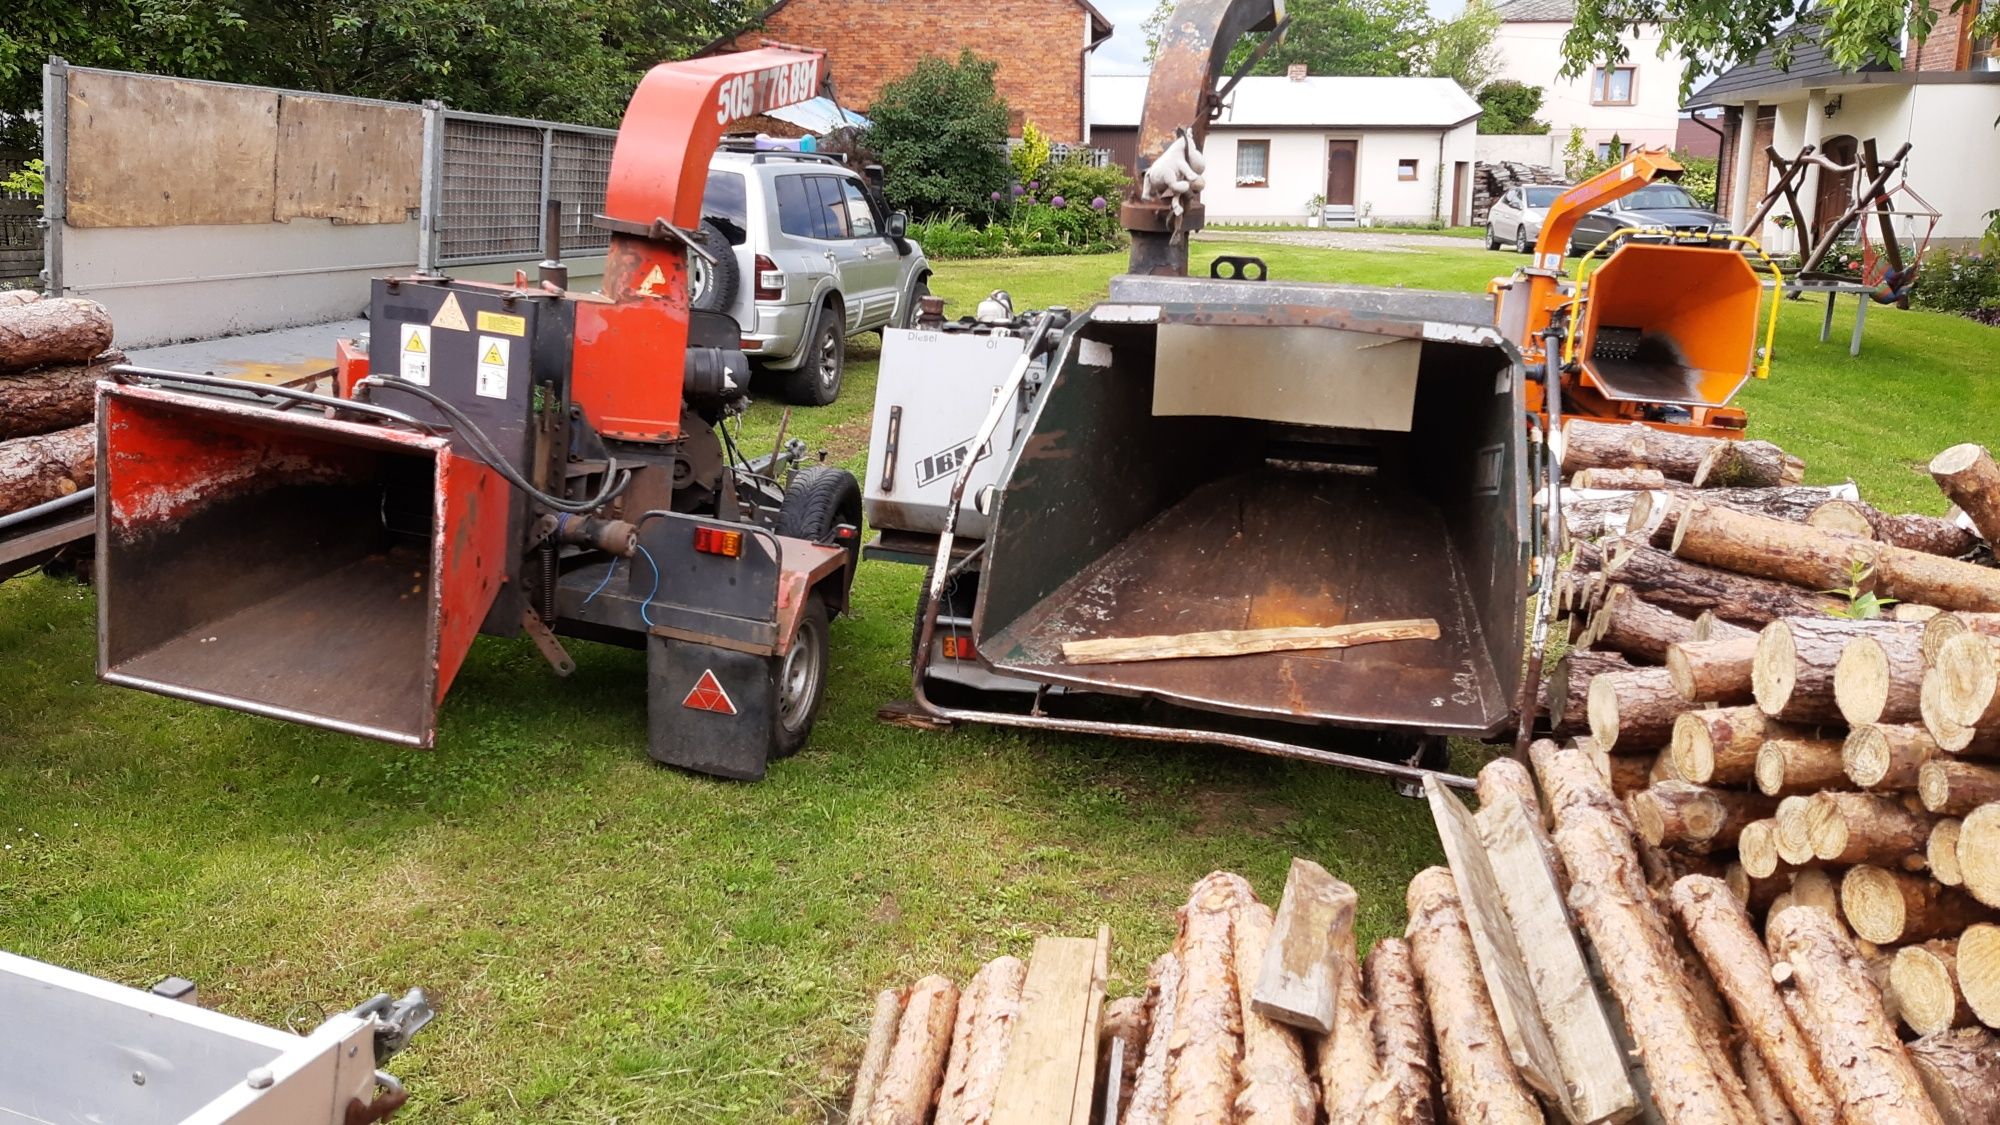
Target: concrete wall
[1544, 151]
[1298, 173]
[1531, 53]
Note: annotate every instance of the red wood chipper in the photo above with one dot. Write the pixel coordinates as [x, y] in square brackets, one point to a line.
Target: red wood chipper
[499, 459]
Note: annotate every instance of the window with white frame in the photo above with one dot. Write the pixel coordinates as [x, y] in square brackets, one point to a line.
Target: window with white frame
[1406, 169]
[1253, 163]
[1612, 85]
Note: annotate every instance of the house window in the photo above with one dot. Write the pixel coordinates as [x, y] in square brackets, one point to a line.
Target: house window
[1406, 169]
[1253, 163]
[1611, 150]
[1611, 85]
[1982, 51]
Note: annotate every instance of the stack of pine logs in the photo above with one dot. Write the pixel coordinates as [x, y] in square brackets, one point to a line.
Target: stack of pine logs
[52, 353]
[1761, 727]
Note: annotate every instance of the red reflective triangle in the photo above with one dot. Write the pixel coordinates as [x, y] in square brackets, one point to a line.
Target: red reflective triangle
[707, 695]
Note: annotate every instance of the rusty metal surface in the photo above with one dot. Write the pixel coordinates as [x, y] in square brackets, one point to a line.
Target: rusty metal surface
[1272, 548]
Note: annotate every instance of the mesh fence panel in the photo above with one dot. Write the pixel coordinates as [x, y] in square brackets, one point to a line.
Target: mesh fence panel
[581, 164]
[490, 192]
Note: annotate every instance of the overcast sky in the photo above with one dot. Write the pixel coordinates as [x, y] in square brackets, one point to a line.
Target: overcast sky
[1126, 52]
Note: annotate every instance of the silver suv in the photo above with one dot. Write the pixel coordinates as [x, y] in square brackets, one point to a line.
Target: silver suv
[813, 256]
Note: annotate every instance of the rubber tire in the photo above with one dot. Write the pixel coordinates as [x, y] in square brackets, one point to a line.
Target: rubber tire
[808, 384]
[724, 277]
[818, 499]
[1492, 243]
[812, 629]
[910, 311]
[1521, 243]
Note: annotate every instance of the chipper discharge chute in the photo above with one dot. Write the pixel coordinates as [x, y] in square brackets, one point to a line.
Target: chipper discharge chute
[504, 459]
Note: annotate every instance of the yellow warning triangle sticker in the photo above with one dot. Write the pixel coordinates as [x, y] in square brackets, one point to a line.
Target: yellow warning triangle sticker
[492, 356]
[654, 279]
[449, 315]
[416, 343]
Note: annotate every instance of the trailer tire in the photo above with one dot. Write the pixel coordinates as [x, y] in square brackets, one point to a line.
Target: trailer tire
[818, 499]
[800, 677]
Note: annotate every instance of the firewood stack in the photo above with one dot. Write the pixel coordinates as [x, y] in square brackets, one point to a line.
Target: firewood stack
[52, 353]
[1758, 725]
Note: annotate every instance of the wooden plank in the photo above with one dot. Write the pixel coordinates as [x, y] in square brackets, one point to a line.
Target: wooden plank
[163, 152]
[1038, 1085]
[1093, 1016]
[1500, 960]
[352, 162]
[1296, 983]
[1592, 1065]
[1243, 642]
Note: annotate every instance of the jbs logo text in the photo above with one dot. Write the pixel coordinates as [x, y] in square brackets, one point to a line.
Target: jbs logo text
[771, 88]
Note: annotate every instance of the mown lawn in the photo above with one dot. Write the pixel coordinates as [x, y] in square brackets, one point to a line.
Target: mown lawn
[612, 941]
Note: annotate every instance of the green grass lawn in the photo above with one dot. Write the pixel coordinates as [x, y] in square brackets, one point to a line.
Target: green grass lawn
[612, 941]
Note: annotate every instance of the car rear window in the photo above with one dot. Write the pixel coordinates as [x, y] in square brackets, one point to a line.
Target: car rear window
[1660, 195]
[811, 207]
[723, 204]
[1543, 196]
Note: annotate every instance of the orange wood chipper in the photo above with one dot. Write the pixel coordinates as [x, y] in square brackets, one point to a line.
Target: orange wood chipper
[499, 459]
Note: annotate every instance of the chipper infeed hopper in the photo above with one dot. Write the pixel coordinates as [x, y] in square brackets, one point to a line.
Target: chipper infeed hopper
[1213, 454]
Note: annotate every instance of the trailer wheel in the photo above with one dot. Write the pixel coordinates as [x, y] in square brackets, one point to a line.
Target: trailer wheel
[818, 499]
[800, 676]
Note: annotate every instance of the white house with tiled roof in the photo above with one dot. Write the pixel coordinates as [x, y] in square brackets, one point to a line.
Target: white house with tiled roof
[1637, 100]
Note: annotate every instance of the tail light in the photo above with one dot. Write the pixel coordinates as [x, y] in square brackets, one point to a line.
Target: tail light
[960, 648]
[770, 280]
[716, 541]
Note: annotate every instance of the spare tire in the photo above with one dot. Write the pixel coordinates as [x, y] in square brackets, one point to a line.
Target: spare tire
[712, 286]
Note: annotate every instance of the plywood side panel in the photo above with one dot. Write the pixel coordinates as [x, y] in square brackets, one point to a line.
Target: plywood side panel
[162, 152]
[352, 162]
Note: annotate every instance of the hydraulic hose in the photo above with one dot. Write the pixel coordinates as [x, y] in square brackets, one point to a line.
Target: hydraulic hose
[614, 482]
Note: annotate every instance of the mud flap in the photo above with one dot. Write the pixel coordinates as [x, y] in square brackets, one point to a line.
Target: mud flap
[711, 710]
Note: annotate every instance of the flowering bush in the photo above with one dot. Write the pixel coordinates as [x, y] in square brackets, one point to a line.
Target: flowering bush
[1071, 208]
[1966, 282]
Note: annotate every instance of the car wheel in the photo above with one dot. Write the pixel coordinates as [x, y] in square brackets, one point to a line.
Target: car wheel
[800, 676]
[816, 382]
[1492, 243]
[911, 310]
[712, 287]
[1521, 243]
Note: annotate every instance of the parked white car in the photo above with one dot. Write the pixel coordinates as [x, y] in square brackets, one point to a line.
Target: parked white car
[1515, 220]
[814, 256]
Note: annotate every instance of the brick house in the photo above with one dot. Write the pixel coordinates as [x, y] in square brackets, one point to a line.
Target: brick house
[1043, 48]
[1942, 101]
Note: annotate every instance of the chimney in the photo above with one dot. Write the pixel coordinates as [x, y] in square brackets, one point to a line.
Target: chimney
[1296, 72]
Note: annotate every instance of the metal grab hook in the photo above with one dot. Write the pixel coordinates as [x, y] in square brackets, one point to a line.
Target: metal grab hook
[382, 1106]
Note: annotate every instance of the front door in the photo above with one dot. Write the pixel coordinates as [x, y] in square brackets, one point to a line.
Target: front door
[1340, 173]
[1458, 172]
[1836, 189]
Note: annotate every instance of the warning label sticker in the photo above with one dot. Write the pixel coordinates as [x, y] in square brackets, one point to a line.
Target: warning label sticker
[502, 322]
[449, 315]
[654, 279]
[415, 354]
[491, 381]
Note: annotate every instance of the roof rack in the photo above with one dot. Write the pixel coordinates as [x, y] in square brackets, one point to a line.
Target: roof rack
[761, 156]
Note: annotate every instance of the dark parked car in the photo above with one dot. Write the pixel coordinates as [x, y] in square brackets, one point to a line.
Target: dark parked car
[1655, 205]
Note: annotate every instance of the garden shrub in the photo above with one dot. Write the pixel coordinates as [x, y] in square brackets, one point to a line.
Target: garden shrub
[1965, 282]
[941, 131]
